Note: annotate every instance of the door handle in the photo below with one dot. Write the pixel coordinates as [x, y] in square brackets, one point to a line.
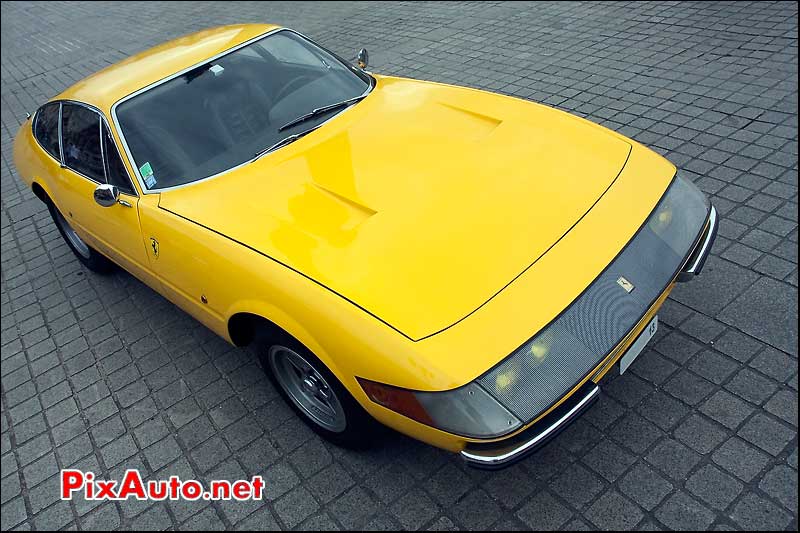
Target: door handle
[124, 202]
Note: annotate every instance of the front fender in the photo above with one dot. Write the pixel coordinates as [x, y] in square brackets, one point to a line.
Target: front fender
[287, 323]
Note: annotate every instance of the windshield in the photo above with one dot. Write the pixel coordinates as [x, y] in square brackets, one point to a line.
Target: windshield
[219, 115]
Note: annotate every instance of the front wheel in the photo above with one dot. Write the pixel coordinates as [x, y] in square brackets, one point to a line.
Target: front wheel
[316, 394]
[85, 253]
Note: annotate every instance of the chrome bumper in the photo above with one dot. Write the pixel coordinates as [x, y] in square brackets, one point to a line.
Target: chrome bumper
[503, 453]
[698, 258]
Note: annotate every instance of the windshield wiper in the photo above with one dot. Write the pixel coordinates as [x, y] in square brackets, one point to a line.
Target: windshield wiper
[320, 110]
[283, 142]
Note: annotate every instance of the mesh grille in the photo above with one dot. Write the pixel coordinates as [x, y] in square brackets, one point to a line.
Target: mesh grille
[527, 383]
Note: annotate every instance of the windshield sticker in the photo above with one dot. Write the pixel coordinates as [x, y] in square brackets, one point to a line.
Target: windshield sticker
[147, 175]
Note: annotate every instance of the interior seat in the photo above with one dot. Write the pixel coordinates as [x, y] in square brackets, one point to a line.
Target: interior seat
[239, 113]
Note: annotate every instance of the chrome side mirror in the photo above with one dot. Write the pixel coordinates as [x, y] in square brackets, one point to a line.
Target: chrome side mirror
[362, 59]
[106, 195]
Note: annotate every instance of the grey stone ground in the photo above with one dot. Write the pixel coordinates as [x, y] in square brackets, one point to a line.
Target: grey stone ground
[101, 373]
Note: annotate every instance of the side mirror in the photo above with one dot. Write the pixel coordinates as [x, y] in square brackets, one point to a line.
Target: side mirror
[106, 195]
[362, 59]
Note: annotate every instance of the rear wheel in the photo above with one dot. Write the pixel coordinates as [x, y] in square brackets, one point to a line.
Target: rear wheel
[85, 253]
[315, 394]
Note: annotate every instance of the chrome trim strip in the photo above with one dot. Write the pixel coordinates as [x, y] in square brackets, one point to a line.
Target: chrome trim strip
[712, 227]
[60, 136]
[497, 460]
[145, 190]
[102, 146]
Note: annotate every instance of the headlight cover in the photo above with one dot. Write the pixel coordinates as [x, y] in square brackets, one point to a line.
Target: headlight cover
[554, 361]
[468, 411]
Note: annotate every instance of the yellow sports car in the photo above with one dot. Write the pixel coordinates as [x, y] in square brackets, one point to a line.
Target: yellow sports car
[461, 266]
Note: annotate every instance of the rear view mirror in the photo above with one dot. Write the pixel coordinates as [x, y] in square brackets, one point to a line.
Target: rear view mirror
[362, 59]
[106, 195]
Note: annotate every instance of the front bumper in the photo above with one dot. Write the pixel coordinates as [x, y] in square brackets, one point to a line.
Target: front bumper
[499, 454]
[492, 456]
[698, 257]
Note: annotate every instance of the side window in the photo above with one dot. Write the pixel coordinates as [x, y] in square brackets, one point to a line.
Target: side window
[80, 131]
[115, 169]
[45, 129]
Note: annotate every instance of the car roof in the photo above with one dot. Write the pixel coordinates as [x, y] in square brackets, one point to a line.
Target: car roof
[104, 88]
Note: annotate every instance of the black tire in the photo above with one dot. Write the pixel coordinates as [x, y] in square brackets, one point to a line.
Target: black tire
[90, 257]
[360, 430]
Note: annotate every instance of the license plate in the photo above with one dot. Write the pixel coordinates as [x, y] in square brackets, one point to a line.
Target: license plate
[638, 345]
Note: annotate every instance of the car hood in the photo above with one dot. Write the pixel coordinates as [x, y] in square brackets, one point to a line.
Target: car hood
[419, 203]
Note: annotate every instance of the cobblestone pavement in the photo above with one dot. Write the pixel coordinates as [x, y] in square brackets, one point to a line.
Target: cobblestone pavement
[101, 373]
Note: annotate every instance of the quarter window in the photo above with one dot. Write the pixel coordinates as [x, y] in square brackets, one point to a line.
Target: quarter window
[45, 129]
[80, 131]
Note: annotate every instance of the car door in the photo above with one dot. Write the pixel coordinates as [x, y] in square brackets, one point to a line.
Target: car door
[90, 157]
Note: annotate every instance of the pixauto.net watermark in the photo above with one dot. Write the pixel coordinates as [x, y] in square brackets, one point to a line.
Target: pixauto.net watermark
[84, 484]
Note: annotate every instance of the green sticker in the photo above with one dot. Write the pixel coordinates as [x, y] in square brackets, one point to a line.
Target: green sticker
[146, 170]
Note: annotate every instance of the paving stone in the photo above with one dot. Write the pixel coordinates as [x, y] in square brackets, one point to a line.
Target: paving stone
[763, 310]
[261, 520]
[644, 486]
[477, 511]
[613, 512]
[781, 484]
[11, 487]
[737, 345]
[740, 458]
[162, 453]
[353, 508]
[784, 405]
[751, 386]
[330, 482]
[577, 485]
[775, 364]
[714, 487]
[544, 512]
[714, 366]
[324, 522]
[103, 519]
[700, 433]
[766, 433]
[635, 433]
[727, 409]
[722, 284]
[756, 513]
[681, 511]
[95, 368]
[12, 513]
[57, 516]
[510, 489]
[609, 460]
[282, 479]
[151, 520]
[447, 485]
[688, 387]
[673, 458]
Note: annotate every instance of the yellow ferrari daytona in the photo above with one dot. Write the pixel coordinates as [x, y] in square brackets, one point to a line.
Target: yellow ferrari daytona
[461, 266]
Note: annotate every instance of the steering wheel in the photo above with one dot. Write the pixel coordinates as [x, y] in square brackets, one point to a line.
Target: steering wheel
[291, 86]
